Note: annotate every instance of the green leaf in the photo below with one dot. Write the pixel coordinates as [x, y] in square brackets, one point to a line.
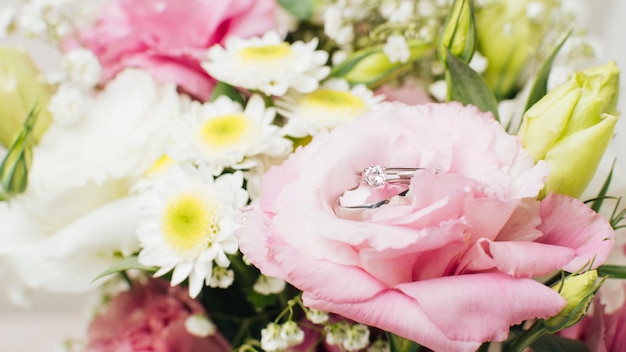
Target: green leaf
[468, 87]
[400, 344]
[555, 343]
[612, 271]
[302, 9]
[15, 166]
[131, 262]
[597, 202]
[222, 88]
[260, 301]
[540, 85]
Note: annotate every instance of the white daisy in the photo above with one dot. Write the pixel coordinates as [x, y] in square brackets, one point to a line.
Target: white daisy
[331, 105]
[222, 135]
[268, 64]
[188, 221]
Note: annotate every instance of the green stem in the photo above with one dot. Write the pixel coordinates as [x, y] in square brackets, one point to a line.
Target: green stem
[528, 337]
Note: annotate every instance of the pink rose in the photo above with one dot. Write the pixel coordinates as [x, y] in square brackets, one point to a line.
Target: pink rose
[169, 37]
[151, 317]
[450, 264]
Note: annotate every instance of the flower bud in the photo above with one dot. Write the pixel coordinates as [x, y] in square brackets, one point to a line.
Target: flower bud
[459, 33]
[372, 66]
[508, 34]
[578, 291]
[571, 126]
[21, 91]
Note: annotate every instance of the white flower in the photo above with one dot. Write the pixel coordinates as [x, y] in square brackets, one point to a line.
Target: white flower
[188, 223]
[68, 105]
[316, 316]
[6, 18]
[267, 285]
[439, 90]
[199, 325]
[331, 105]
[336, 333]
[398, 12]
[222, 277]
[478, 62]
[83, 67]
[291, 332]
[221, 134]
[271, 339]
[396, 49]
[44, 18]
[87, 167]
[357, 337]
[268, 64]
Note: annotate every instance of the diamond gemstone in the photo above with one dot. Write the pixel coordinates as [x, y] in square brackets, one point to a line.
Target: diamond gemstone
[375, 176]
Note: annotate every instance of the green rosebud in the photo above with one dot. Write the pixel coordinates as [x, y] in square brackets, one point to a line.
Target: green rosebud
[578, 291]
[509, 33]
[16, 164]
[571, 127]
[372, 66]
[21, 89]
[459, 32]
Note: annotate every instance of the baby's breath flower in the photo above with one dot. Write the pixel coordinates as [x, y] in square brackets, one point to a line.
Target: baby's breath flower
[396, 49]
[271, 338]
[336, 333]
[83, 67]
[357, 337]
[316, 316]
[222, 277]
[291, 332]
[200, 325]
[266, 285]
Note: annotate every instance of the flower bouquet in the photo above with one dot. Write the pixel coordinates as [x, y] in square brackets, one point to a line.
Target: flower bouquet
[308, 175]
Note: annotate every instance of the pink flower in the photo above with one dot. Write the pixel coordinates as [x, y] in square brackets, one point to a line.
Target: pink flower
[151, 317]
[450, 264]
[410, 93]
[170, 37]
[600, 331]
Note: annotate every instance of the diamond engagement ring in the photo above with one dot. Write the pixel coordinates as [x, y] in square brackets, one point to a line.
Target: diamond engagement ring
[377, 176]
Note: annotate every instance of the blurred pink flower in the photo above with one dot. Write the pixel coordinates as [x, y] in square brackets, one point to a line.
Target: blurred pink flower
[450, 264]
[169, 37]
[409, 93]
[151, 317]
[600, 331]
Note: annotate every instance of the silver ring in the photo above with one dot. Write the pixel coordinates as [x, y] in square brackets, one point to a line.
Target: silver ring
[373, 205]
[377, 175]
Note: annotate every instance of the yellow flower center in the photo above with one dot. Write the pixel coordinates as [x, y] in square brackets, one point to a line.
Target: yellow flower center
[189, 224]
[226, 131]
[338, 104]
[265, 53]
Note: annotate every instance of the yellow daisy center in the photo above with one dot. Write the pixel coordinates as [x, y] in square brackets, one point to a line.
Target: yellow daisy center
[336, 103]
[189, 224]
[265, 53]
[226, 131]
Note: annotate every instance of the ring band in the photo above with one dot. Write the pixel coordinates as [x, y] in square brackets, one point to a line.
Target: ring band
[377, 175]
[373, 205]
